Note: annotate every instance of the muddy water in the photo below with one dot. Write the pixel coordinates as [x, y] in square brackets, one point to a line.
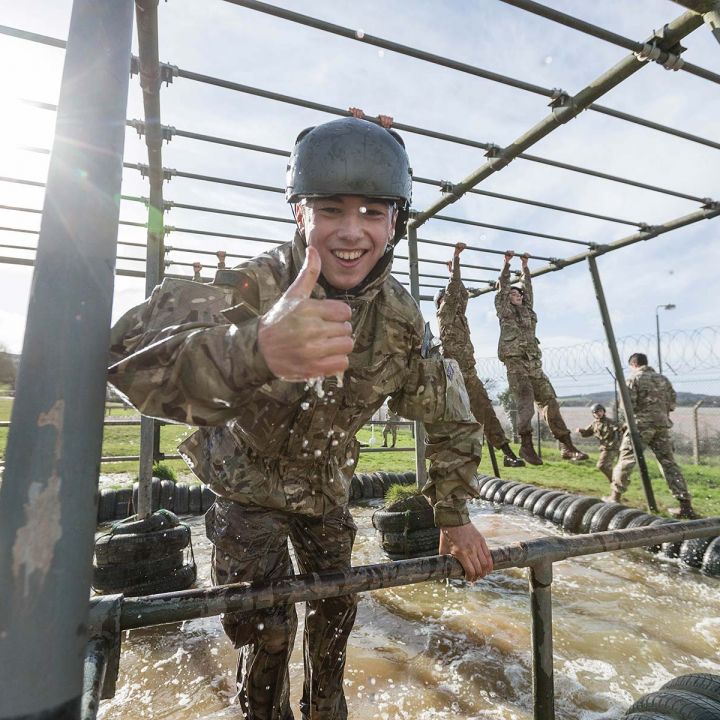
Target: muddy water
[624, 623]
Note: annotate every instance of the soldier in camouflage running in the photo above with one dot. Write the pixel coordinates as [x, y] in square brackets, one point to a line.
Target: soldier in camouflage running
[653, 399]
[280, 362]
[451, 304]
[519, 350]
[608, 434]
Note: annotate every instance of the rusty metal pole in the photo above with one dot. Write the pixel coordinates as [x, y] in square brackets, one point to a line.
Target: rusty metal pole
[48, 498]
[696, 432]
[150, 81]
[624, 394]
[420, 467]
[541, 576]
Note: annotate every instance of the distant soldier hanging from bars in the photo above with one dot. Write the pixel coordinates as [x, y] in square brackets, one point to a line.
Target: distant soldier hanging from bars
[451, 304]
[519, 350]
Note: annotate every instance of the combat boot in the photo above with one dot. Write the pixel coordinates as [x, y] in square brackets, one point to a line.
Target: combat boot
[614, 496]
[527, 451]
[569, 452]
[509, 457]
[684, 512]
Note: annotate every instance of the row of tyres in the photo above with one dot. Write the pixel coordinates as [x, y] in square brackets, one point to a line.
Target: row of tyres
[687, 697]
[194, 498]
[585, 514]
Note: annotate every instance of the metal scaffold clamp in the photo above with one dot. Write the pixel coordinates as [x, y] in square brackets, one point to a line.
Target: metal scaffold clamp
[710, 204]
[451, 189]
[669, 59]
[494, 153]
[168, 72]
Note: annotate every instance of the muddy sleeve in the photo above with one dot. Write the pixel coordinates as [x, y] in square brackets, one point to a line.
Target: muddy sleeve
[435, 395]
[671, 396]
[178, 357]
[587, 431]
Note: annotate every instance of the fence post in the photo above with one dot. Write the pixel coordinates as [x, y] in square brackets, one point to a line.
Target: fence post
[696, 433]
[48, 498]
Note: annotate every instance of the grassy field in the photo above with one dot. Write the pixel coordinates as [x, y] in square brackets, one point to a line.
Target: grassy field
[703, 480]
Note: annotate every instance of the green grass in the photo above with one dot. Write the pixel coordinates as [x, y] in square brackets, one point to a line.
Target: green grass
[703, 480]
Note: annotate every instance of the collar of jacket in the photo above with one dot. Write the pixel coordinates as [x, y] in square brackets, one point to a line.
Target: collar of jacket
[366, 290]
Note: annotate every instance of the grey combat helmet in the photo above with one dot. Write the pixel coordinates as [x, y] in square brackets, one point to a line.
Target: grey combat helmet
[597, 407]
[351, 157]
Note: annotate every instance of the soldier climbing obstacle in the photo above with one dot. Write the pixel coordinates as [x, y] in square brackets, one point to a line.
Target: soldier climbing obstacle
[653, 399]
[519, 350]
[451, 305]
[280, 362]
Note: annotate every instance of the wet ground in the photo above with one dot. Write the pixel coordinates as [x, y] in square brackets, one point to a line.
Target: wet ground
[624, 623]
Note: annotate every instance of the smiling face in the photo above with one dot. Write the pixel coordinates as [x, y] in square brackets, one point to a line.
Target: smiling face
[516, 297]
[349, 232]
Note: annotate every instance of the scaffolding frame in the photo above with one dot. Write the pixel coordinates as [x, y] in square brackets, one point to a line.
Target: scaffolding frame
[46, 425]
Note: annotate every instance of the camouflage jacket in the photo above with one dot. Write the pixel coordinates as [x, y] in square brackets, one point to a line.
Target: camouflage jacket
[605, 430]
[652, 396]
[452, 321]
[517, 322]
[189, 354]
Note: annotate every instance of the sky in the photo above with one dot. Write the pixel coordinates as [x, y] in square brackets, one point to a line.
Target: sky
[222, 40]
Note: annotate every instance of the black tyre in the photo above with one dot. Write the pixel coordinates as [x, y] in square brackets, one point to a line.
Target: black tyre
[412, 541]
[179, 579]
[646, 716]
[623, 518]
[155, 493]
[207, 498]
[123, 503]
[388, 479]
[482, 481]
[641, 521]
[488, 490]
[521, 496]
[106, 506]
[115, 549]
[575, 512]
[181, 498]
[602, 517]
[533, 497]
[195, 499]
[378, 482]
[711, 559]
[413, 513]
[692, 551]
[704, 684]
[115, 578]
[367, 486]
[560, 509]
[410, 478]
[542, 502]
[671, 549]
[355, 489]
[502, 492]
[512, 493]
[679, 705]
[167, 494]
[157, 521]
[499, 489]
[590, 513]
[550, 508]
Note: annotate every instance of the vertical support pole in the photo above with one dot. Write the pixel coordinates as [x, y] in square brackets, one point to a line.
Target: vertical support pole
[657, 337]
[696, 433]
[420, 468]
[541, 576]
[493, 458]
[151, 81]
[539, 438]
[48, 498]
[620, 377]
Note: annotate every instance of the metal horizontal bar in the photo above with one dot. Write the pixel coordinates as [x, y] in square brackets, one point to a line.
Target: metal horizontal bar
[191, 604]
[408, 128]
[33, 37]
[212, 233]
[601, 33]
[478, 249]
[221, 211]
[453, 64]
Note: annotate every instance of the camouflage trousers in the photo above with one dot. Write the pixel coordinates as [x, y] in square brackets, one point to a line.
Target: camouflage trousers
[529, 384]
[251, 544]
[482, 408]
[392, 431]
[658, 440]
[606, 459]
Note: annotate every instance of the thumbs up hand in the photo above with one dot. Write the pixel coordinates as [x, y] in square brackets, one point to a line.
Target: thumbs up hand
[302, 338]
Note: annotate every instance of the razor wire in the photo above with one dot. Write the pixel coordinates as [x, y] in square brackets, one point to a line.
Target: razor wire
[683, 351]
